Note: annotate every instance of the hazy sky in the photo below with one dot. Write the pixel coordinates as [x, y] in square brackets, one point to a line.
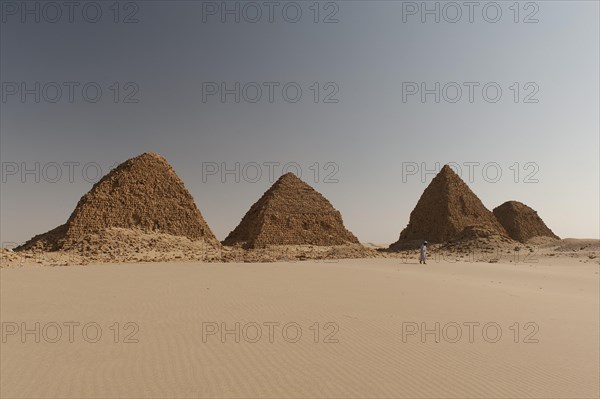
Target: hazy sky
[360, 120]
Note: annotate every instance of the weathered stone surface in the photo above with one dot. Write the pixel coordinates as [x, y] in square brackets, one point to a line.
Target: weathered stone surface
[143, 193]
[291, 213]
[521, 222]
[448, 210]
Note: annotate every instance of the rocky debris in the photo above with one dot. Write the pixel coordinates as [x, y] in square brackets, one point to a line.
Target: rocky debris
[143, 194]
[9, 258]
[119, 245]
[521, 222]
[291, 213]
[135, 245]
[296, 253]
[448, 211]
[575, 245]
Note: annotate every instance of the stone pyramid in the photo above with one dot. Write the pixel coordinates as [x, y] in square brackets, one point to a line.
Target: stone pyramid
[143, 193]
[521, 222]
[291, 213]
[448, 210]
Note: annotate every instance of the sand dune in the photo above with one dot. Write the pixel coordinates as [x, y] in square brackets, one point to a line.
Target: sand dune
[366, 301]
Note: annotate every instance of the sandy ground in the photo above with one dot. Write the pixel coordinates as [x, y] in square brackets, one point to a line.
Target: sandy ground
[362, 346]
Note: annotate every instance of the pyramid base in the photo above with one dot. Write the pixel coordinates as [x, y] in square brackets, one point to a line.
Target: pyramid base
[470, 234]
[117, 245]
[295, 253]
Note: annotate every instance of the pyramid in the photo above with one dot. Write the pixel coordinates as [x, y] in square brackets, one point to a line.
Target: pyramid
[291, 213]
[448, 210]
[143, 193]
[521, 222]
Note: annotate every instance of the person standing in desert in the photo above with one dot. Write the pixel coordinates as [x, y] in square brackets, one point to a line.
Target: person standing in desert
[423, 253]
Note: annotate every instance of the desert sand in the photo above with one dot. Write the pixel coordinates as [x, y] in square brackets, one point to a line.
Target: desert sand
[291, 304]
[362, 307]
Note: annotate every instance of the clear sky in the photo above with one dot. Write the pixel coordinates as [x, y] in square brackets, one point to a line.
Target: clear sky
[361, 120]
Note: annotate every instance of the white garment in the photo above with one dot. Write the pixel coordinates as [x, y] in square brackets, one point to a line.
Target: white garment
[423, 253]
